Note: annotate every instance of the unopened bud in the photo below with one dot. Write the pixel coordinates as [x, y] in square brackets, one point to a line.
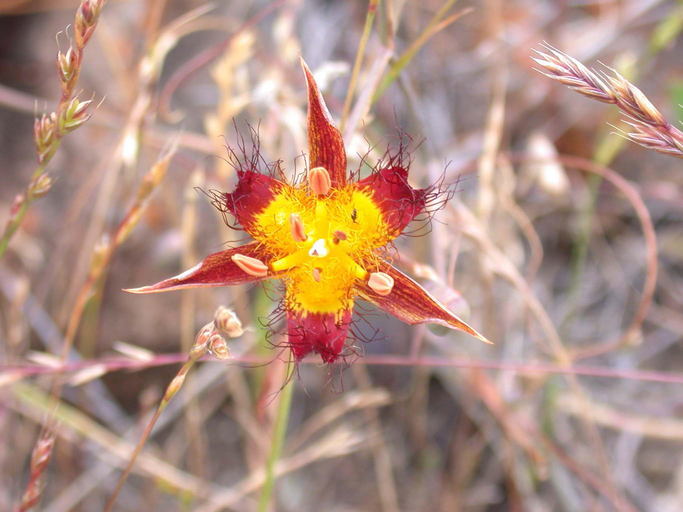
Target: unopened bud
[74, 115]
[218, 347]
[67, 64]
[204, 334]
[227, 322]
[40, 185]
[44, 134]
[86, 19]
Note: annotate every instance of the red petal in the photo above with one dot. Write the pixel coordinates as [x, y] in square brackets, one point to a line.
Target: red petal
[215, 270]
[325, 142]
[412, 304]
[399, 202]
[317, 332]
[253, 193]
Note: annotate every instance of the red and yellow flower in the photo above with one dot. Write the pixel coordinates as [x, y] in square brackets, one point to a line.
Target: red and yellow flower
[324, 239]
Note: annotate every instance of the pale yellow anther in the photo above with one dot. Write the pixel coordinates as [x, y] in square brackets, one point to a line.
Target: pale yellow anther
[319, 181]
[252, 266]
[297, 227]
[381, 283]
[319, 249]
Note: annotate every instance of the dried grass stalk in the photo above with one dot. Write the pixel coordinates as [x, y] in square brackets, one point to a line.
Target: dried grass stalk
[49, 129]
[649, 128]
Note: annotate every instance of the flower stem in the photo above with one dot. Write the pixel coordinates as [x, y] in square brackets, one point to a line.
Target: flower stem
[279, 431]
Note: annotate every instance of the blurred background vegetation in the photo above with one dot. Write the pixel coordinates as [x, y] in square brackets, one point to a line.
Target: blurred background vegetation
[546, 251]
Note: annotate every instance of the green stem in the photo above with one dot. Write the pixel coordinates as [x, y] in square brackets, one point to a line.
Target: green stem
[15, 220]
[279, 431]
[12, 225]
[369, 18]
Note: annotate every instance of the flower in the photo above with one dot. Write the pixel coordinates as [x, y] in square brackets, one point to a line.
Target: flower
[324, 239]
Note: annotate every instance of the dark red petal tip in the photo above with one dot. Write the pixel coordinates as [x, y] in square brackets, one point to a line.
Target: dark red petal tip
[325, 141]
[217, 269]
[400, 203]
[317, 332]
[411, 303]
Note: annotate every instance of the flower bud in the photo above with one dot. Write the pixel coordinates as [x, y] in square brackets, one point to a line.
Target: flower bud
[44, 134]
[67, 63]
[218, 347]
[74, 115]
[86, 20]
[40, 185]
[227, 322]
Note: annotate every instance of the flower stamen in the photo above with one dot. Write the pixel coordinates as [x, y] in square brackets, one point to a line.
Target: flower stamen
[317, 274]
[291, 261]
[252, 266]
[297, 228]
[338, 236]
[381, 283]
[319, 181]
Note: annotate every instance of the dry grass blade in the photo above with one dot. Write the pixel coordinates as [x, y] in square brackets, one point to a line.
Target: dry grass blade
[39, 459]
[70, 114]
[650, 129]
[101, 258]
[369, 19]
[436, 25]
[208, 340]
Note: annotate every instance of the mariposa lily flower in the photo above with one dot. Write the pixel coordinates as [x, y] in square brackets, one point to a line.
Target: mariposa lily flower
[324, 238]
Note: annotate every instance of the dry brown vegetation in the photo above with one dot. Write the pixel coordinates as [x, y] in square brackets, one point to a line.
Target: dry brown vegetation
[563, 244]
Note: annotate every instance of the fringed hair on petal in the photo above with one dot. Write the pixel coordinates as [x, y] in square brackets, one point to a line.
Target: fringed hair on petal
[398, 154]
[243, 156]
[246, 159]
[300, 174]
[274, 325]
[433, 198]
[362, 330]
[217, 198]
[257, 182]
[318, 333]
[436, 197]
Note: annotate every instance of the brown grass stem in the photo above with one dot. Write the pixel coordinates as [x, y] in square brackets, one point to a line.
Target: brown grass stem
[200, 349]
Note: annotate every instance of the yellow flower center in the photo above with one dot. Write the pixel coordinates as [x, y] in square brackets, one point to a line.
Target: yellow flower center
[322, 244]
